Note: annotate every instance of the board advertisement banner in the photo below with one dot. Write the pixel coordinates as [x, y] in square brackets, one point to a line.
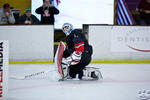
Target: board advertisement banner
[130, 39]
[3, 69]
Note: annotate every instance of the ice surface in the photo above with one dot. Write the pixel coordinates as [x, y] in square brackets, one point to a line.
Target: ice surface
[120, 82]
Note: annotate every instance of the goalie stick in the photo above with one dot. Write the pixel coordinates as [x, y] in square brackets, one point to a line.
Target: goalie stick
[58, 69]
[29, 75]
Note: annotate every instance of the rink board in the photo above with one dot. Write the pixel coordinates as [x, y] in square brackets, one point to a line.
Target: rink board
[29, 42]
[119, 42]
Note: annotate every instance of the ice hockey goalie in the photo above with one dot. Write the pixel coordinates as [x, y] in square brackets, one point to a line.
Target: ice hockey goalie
[72, 59]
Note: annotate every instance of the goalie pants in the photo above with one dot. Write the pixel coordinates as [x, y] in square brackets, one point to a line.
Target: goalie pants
[78, 68]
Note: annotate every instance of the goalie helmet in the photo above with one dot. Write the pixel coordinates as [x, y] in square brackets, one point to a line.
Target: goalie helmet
[67, 28]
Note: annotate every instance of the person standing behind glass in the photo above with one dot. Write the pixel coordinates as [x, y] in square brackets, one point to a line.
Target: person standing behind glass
[28, 18]
[144, 10]
[6, 16]
[47, 11]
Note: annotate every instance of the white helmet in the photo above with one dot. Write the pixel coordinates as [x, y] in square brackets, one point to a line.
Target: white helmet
[67, 28]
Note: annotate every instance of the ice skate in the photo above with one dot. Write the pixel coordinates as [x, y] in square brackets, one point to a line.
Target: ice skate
[92, 73]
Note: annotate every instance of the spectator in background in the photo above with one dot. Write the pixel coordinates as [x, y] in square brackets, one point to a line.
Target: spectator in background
[28, 18]
[47, 11]
[144, 9]
[6, 16]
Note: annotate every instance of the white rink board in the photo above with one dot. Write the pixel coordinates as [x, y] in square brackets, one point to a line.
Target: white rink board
[102, 39]
[130, 39]
[29, 42]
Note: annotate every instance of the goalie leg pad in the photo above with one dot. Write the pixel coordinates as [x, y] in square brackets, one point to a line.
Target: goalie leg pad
[91, 72]
[65, 70]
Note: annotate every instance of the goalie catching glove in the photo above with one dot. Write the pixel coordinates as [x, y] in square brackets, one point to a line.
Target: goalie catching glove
[73, 59]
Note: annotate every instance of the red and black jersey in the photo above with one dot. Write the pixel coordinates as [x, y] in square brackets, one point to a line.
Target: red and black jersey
[76, 41]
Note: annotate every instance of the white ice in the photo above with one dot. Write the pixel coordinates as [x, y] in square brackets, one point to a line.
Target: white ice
[120, 82]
